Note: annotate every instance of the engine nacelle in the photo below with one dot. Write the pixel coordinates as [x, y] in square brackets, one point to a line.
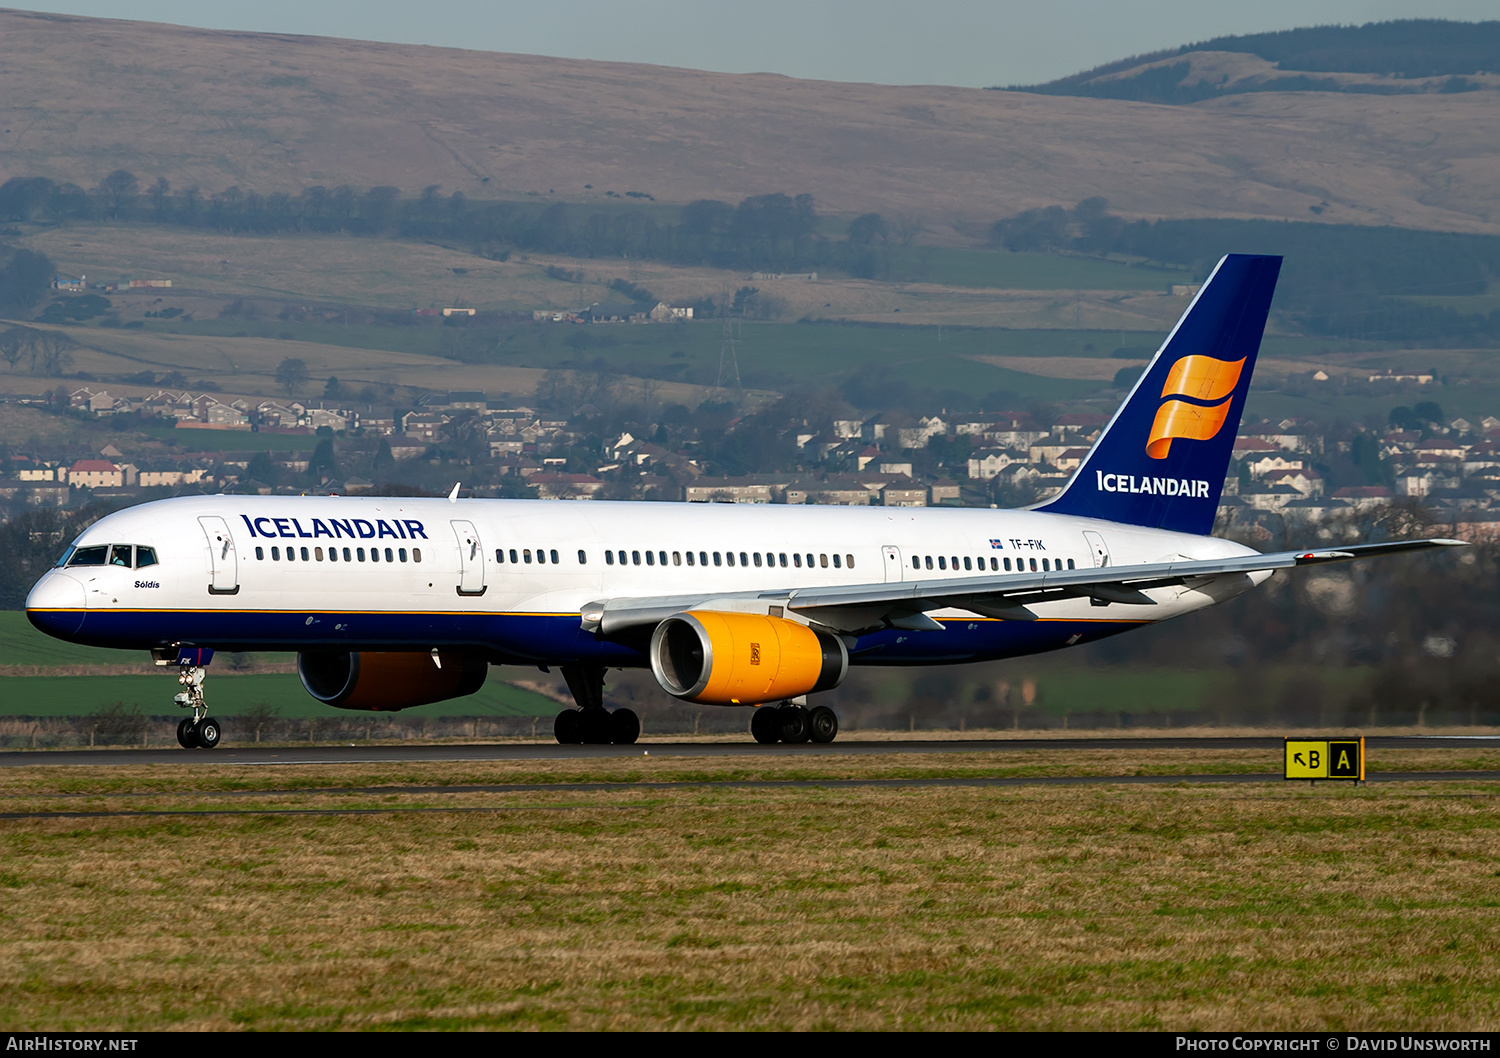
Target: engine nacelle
[385, 682]
[743, 658]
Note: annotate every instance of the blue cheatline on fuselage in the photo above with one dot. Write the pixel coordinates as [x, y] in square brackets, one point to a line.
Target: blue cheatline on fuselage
[551, 638]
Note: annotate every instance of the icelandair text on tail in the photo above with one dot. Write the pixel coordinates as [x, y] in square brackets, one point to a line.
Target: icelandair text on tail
[1152, 486]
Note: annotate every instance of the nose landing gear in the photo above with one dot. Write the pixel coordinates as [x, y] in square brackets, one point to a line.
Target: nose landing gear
[591, 723]
[198, 731]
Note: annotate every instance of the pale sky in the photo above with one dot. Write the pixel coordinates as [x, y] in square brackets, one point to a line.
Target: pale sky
[957, 42]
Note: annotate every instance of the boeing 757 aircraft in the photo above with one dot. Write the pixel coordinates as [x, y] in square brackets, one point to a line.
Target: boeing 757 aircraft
[391, 603]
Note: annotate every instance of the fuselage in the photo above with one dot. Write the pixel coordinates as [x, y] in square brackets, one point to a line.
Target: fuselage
[510, 577]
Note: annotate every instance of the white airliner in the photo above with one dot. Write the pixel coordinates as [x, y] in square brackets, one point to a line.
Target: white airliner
[391, 603]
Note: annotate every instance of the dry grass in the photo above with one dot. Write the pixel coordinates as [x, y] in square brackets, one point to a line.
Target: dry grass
[797, 907]
[207, 268]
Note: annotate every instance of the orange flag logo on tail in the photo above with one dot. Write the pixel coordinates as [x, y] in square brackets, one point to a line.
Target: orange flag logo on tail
[1199, 378]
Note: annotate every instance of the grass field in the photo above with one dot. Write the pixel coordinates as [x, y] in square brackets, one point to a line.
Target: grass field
[1111, 907]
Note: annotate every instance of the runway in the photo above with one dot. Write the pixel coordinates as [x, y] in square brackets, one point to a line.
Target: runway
[547, 751]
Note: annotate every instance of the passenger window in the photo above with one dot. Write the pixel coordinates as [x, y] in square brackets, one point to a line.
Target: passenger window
[809, 562]
[348, 557]
[650, 558]
[119, 555]
[526, 556]
[823, 561]
[583, 559]
[689, 556]
[676, 558]
[635, 558]
[782, 556]
[835, 561]
[358, 551]
[333, 554]
[716, 558]
[89, 556]
[743, 562]
[500, 554]
[402, 553]
[1070, 563]
[916, 563]
[994, 564]
[1045, 567]
[1033, 565]
[966, 562]
[757, 560]
[416, 554]
[275, 554]
[955, 563]
[260, 554]
[554, 556]
[662, 557]
[703, 558]
[622, 558]
[929, 561]
[374, 553]
[609, 558]
[728, 558]
[849, 561]
[318, 553]
[390, 556]
[942, 562]
[797, 561]
[1007, 565]
[541, 557]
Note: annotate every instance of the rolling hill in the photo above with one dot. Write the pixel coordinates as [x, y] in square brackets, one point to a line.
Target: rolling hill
[265, 112]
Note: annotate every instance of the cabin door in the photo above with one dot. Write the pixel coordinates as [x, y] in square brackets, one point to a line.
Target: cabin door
[223, 564]
[1098, 547]
[895, 569]
[470, 559]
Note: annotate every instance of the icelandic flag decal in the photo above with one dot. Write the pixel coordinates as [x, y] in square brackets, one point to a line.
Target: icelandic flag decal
[997, 545]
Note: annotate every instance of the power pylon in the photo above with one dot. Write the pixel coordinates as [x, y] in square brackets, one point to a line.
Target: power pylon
[727, 342]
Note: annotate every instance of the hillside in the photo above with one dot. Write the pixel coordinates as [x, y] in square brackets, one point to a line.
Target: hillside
[1410, 57]
[265, 113]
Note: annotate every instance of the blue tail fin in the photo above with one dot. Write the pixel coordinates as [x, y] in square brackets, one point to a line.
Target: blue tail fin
[1161, 460]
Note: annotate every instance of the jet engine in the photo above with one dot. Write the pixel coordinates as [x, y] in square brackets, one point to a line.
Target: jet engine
[743, 659]
[385, 682]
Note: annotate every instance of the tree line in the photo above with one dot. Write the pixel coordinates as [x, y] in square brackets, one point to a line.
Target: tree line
[774, 232]
[1343, 280]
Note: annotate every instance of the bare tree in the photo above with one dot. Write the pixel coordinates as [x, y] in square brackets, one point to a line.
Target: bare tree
[291, 375]
[15, 343]
[908, 227]
[51, 356]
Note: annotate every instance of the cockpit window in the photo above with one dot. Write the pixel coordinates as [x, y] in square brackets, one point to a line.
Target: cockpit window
[89, 556]
[119, 555]
[145, 556]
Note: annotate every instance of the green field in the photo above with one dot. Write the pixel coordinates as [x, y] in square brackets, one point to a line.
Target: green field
[231, 695]
[1000, 270]
[371, 897]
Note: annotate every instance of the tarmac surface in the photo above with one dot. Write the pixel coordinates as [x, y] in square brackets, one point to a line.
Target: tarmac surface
[546, 751]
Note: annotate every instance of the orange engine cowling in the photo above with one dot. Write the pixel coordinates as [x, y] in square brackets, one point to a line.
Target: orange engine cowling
[385, 682]
[743, 658]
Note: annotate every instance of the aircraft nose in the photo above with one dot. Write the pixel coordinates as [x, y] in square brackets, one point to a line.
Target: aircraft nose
[56, 605]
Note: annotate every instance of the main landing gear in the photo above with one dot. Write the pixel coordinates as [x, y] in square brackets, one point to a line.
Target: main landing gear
[591, 723]
[790, 722]
[199, 731]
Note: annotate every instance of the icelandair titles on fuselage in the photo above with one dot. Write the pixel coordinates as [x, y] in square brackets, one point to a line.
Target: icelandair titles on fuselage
[1152, 486]
[337, 528]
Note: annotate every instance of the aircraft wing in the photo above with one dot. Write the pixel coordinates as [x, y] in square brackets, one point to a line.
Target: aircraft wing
[857, 607]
